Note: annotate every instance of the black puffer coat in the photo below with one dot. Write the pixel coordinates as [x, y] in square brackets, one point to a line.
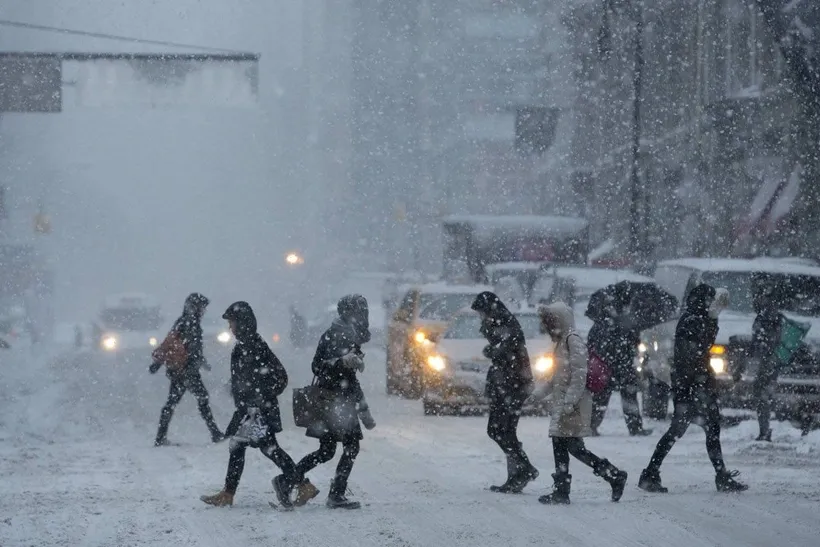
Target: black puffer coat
[692, 377]
[189, 329]
[258, 377]
[510, 373]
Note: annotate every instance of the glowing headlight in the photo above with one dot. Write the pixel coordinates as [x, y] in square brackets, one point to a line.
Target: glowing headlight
[420, 337]
[224, 337]
[109, 343]
[642, 348]
[543, 364]
[718, 364]
[153, 342]
[437, 363]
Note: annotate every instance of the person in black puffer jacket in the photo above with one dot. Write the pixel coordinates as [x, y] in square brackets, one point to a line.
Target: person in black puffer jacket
[258, 378]
[338, 357]
[509, 383]
[694, 390]
[189, 329]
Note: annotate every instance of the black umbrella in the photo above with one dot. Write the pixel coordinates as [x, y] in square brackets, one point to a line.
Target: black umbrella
[634, 305]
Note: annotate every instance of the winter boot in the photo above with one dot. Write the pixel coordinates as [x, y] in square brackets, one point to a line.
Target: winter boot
[650, 481]
[527, 473]
[765, 436]
[560, 490]
[725, 482]
[512, 471]
[640, 432]
[217, 437]
[282, 487]
[614, 476]
[336, 498]
[305, 492]
[220, 499]
[161, 442]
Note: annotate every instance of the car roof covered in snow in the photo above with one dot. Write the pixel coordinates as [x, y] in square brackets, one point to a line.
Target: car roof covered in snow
[520, 222]
[511, 266]
[598, 278]
[762, 264]
[130, 300]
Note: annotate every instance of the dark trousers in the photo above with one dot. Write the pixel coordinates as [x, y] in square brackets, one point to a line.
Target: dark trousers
[502, 427]
[626, 382]
[179, 385]
[564, 447]
[763, 391]
[325, 453]
[270, 448]
[706, 415]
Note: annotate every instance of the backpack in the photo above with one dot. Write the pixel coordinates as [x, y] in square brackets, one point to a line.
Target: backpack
[599, 373]
[171, 352]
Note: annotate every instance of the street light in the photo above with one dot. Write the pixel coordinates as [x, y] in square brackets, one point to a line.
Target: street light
[294, 259]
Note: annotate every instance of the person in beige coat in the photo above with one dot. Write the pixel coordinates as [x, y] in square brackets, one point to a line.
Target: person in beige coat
[572, 407]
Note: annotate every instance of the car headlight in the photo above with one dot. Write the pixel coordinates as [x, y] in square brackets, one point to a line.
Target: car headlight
[642, 348]
[437, 362]
[110, 343]
[420, 337]
[718, 364]
[224, 337]
[153, 342]
[544, 364]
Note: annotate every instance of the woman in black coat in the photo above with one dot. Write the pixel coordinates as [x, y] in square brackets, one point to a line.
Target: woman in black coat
[509, 383]
[257, 380]
[338, 357]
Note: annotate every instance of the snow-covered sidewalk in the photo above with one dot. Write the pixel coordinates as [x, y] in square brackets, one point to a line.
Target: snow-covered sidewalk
[78, 468]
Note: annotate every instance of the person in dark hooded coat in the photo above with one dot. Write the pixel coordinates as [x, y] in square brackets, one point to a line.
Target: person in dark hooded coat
[509, 383]
[189, 329]
[258, 378]
[765, 338]
[694, 391]
[337, 360]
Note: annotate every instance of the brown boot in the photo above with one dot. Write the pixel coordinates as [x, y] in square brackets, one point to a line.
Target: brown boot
[305, 492]
[221, 499]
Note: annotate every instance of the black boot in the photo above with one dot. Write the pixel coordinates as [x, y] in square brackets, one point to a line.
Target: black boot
[650, 481]
[765, 436]
[560, 490]
[640, 432]
[336, 497]
[725, 482]
[526, 474]
[282, 486]
[512, 471]
[614, 476]
[162, 431]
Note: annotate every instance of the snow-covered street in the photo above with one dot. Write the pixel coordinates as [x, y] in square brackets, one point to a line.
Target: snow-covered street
[78, 468]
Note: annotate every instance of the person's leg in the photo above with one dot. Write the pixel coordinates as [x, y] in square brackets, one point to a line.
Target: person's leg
[282, 484]
[763, 391]
[336, 497]
[600, 466]
[175, 392]
[325, 453]
[650, 477]
[724, 479]
[561, 478]
[199, 390]
[600, 402]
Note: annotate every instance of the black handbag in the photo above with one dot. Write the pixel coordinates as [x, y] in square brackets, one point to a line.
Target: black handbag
[308, 404]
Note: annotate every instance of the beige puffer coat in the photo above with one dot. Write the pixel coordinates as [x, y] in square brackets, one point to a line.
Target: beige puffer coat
[571, 402]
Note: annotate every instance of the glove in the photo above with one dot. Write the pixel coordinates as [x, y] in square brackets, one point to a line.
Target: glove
[488, 351]
[353, 361]
[154, 367]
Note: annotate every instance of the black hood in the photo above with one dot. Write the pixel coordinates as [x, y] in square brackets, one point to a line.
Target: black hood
[242, 314]
[488, 303]
[700, 298]
[195, 302]
[353, 310]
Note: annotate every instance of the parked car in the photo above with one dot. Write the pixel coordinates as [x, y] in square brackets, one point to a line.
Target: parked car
[414, 327]
[457, 369]
[798, 285]
[128, 324]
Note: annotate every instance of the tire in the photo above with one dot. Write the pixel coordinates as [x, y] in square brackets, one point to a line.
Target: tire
[656, 400]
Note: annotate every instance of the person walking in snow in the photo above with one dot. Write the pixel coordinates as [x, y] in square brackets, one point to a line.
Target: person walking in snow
[765, 338]
[571, 412]
[337, 360]
[509, 383]
[257, 380]
[694, 389]
[189, 330]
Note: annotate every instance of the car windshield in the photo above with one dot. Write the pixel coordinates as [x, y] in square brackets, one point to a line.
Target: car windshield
[134, 319]
[466, 327]
[799, 294]
[440, 307]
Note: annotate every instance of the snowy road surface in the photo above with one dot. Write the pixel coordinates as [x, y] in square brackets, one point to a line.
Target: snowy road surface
[78, 468]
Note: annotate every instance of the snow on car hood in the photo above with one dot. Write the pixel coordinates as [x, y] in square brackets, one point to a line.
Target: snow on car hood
[457, 350]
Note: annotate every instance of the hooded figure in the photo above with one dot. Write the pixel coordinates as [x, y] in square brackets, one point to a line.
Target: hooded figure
[189, 329]
[766, 332]
[258, 378]
[338, 357]
[694, 389]
[571, 407]
[509, 383]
